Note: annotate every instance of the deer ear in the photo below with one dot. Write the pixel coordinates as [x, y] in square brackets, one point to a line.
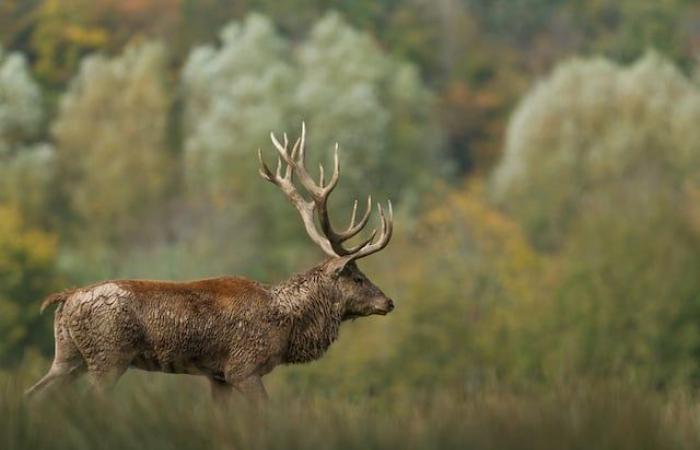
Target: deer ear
[336, 265]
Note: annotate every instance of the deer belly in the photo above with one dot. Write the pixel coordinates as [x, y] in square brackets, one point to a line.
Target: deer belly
[155, 363]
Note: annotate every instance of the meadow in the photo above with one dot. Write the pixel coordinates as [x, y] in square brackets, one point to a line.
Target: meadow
[163, 412]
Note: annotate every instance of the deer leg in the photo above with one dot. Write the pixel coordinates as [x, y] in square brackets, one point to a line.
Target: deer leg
[104, 380]
[58, 373]
[220, 391]
[252, 388]
[104, 373]
[67, 364]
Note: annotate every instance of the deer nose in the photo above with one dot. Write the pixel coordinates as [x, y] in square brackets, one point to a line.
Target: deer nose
[390, 303]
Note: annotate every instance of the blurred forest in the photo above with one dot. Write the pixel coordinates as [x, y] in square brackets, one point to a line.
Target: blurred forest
[543, 157]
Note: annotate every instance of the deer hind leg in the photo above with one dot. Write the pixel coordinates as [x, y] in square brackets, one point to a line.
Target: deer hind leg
[103, 381]
[68, 364]
[57, 374]
[252, 388]
[106, 361]
[106, 343]
[105, 369]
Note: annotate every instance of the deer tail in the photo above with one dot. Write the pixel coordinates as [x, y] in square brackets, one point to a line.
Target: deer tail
[58, 297]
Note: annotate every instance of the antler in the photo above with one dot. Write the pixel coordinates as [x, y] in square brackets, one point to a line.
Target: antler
[330, 240]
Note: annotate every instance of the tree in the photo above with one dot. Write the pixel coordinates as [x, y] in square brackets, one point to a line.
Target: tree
[625, 301]
[469, 282]
[21, 112]
[591, 128]
[337, 80]
[27, 274]
[601, 169]
[111, 141]
[26, 182]
[26, 166]
[234, 97]
[466, 282]
[375, 106]
[64, 32]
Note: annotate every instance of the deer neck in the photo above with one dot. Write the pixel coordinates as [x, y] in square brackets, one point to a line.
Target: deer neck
[314, 312]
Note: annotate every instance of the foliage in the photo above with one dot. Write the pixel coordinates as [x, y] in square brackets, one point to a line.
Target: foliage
[466, 283]
[111, 149]
[20, 102]
[625, 302]
[26, 181]
[469, 268]
[507, 42]
[594, 128]
[638, 26]
[65, 32]
[340, 82]
[26, 167]
[27, 274]
[337, 79]
[600, 167]
[234, 97]
[623, 30]
[348, 84]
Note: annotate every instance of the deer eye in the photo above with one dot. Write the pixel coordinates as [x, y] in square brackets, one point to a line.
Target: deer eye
[358, 280]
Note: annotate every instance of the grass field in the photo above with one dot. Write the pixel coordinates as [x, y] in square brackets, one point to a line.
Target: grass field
[166, 412]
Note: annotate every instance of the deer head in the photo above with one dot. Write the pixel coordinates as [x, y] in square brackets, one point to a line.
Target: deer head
[354, 292]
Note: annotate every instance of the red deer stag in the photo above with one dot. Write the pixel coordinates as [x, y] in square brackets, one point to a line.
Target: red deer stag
[231, 330]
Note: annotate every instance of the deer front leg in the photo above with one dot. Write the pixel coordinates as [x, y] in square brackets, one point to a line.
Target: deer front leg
[252, 388]
[103, 379]
[220, 391]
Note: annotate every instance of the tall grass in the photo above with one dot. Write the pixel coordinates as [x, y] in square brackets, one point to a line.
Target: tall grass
[160, 412]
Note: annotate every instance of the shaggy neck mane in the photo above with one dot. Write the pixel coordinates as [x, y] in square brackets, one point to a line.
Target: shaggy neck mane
[315, 316]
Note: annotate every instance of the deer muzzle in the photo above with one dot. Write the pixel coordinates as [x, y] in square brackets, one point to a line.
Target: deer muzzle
[384, 306]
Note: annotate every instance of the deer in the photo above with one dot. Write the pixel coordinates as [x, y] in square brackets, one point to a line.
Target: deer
[231, 330]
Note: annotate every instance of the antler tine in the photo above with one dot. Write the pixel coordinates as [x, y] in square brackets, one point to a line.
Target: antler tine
[302, 148]
[320, 192]
[328, 239]
[264, 170]
[385, 236]
[281, 149]
[278, 170]
[295, 149]
[290, 166]
[353, 229]
[336, 171]
[390, 224]
[305, 208]
[354, 213]
[276, 143]
[359, 246]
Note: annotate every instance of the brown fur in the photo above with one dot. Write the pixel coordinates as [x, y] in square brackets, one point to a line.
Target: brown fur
[52, 299]
[231, 330]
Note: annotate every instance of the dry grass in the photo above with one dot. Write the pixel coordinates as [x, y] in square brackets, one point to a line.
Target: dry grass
[160, 412]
